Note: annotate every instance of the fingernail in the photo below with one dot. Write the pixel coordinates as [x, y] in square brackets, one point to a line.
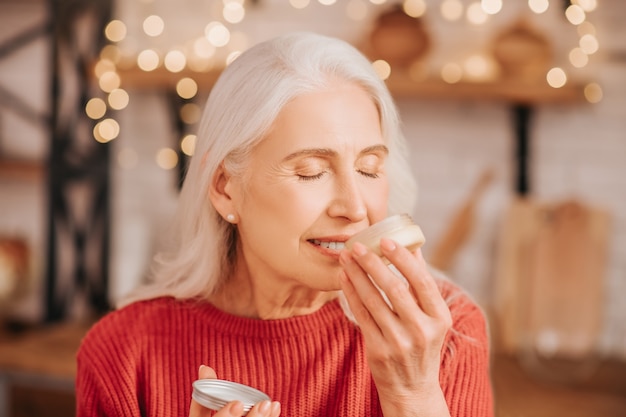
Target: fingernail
[275, 407]
[200, 368]
[264, 407]
[237, 408]
[359, 249]
[387, 245]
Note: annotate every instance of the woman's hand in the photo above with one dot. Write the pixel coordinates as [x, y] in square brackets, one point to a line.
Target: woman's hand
[403, 341]
[233, 408]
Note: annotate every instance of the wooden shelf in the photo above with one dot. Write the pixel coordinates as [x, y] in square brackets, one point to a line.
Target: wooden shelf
[400, 85]
[509, 91]
[21, 169]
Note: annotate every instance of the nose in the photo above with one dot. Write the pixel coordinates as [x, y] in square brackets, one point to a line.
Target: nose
[348, 200]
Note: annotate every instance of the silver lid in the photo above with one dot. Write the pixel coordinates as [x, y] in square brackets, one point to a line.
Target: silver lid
[216, 393]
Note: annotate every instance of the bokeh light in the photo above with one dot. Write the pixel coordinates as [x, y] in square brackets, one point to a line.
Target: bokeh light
[96, 108]
[109, 81]
[575, 14]
[451, 73]
[382, 68]
[578, 58]
[188, 144]
[106, 130]
[166, 158]
[593, 93]
[186, 88]
[175, 61]
[451, 9]
[414, 8]
[118, 99]
[538, 6]
[148, 60]
[491, 6]
[153, 25]
[115, 31]
[556, 77]
[299, 4]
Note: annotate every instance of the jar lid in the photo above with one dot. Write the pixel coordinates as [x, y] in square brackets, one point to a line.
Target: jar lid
[216, 393]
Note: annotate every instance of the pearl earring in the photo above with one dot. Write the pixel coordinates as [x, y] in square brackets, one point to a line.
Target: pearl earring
[230, 218]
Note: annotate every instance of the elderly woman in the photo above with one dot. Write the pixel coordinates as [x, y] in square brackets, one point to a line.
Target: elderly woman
[298, 150]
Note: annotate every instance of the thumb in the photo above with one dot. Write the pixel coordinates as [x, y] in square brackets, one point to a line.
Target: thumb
[206, 372]
[195, 409]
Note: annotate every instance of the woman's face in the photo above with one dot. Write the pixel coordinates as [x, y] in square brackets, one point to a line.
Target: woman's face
[314, 181]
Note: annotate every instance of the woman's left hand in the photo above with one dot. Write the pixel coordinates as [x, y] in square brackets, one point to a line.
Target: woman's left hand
[403, 341]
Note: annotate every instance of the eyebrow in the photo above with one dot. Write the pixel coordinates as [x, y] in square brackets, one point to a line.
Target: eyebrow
[331, 152]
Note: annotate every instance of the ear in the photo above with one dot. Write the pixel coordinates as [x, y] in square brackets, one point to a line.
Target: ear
[220, 192]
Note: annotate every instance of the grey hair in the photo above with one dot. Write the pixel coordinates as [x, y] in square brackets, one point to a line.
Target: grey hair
[240, 110]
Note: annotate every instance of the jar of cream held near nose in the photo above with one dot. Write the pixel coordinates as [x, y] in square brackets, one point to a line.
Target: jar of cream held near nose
[399, 228]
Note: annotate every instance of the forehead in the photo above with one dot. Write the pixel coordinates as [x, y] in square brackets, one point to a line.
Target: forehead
[343, 115]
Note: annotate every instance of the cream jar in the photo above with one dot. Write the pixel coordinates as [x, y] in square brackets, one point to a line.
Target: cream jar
[216, 393]
[399, 228]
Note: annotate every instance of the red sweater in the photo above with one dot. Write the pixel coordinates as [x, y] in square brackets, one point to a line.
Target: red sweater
[141, 360]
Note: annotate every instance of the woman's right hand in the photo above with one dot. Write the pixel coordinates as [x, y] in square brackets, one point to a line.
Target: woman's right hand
[233, 408]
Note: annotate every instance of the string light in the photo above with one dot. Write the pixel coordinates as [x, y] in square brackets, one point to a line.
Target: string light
[476, 15]
[575, 14]
[356, 10]
[186, 88]
[451, 9]
[233, 12]
[589, 44]
[491, 6]
[219, 46]
[175, 61]
[109, 81]
[556, 77]
[118, 99]
[593, 93]
[451, 73]
[106, 130]
[578, 58]
[538, 6]
[415, 8]
[188, 144]
[148, 60]
[190, 113]
[166, 158]
[153, 25]
[382, 68]
[115, 31]
[299, 4]
[95, 108]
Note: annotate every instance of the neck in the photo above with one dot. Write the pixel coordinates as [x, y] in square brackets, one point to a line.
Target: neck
[248, 295]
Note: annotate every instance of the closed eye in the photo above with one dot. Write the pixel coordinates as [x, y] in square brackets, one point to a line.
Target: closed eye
[368, 174]
[311, 177]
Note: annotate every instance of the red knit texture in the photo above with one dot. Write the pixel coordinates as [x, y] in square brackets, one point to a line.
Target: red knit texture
[142, 360]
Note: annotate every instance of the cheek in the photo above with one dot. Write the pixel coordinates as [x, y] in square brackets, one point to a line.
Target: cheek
[377, 196]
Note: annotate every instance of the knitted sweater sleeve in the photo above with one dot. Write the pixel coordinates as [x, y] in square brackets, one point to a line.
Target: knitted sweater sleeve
[465, 374]
[106, 384]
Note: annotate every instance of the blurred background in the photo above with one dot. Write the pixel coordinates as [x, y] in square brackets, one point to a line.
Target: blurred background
[514, 110]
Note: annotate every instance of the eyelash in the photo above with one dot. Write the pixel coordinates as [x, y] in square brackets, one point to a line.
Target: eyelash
[318, 176]
[368, 174]
[311, 177]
